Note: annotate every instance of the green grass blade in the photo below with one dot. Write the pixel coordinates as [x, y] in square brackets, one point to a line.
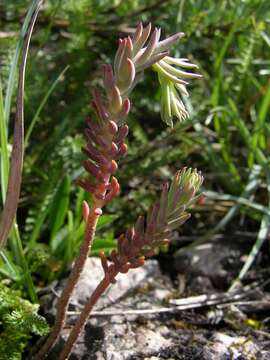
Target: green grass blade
[106, 244]
[18, 253]
[44, 207]
[258, 139]
[253, 152]
[251, 186]
[59, 208]
[37, 229]
[9, 212]
[249, 190]
[238, 199]
[220, 124]
[263, 111]
[261, 238]
[42, 104]
[14, 64]
[217, 65]
[11, 270]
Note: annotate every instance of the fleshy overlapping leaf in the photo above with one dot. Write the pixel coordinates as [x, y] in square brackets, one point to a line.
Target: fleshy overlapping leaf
[106, 133]
[163, 217]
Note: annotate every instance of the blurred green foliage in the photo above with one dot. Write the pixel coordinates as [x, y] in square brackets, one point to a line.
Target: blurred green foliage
[225, 136]
[19, 320]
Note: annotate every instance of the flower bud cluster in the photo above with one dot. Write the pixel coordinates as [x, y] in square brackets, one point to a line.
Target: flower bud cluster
[133, 57]
[146, 236]
[105, 135]
[138, 53]
[173, 82]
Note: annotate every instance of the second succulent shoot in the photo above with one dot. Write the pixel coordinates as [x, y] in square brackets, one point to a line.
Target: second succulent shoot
[147, 235]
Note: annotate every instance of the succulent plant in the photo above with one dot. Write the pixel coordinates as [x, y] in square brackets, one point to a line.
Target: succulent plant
[105, 146]
[143, 239]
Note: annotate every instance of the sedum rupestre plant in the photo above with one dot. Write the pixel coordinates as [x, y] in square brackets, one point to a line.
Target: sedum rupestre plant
[105, 146]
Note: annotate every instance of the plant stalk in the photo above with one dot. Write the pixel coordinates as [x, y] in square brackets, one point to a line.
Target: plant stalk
[75, 332]
[63, 301]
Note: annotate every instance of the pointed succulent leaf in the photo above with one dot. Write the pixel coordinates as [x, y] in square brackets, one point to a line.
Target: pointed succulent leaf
[175, 223]
[176, 72]
[139, 42]
[180, 62]
[166, 44]
[138, 33]
[148, 51]
[182, 89]
[126, 75]
[162, 214]
[167, 75]
[119, 56]
[151, 61]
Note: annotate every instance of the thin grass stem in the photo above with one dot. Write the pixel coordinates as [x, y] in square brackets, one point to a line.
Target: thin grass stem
[42, 104]
[262, 236]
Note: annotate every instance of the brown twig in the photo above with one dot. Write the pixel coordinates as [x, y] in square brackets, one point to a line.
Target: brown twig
[15, 174]
[248, 306]
[63, 301]
[224, 299]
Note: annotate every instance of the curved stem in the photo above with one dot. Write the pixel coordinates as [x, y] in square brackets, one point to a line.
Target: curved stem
[63, 301]
[16, 163]
[75, 332]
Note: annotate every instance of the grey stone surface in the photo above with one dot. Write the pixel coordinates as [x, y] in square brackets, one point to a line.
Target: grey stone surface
[223, 347]
[120, 336]
[214, 261]
[126, 283]
[117, 335]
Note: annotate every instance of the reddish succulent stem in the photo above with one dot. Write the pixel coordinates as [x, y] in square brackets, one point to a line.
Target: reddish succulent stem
[63, 301]
[80, 323]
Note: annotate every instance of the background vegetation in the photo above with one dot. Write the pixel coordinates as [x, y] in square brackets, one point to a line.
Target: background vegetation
[227, 135]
